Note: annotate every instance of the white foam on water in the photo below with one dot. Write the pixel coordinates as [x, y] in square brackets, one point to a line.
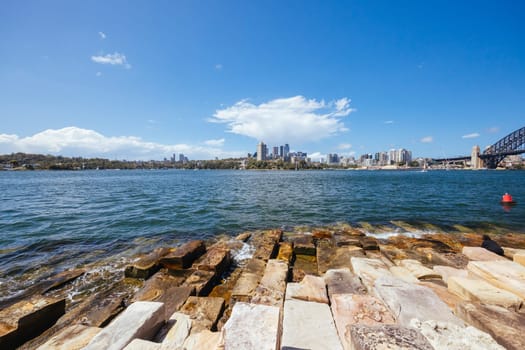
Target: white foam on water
[388, 234]
[245, 253]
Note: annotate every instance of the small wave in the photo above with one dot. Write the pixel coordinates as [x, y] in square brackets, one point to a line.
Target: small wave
[244, 253]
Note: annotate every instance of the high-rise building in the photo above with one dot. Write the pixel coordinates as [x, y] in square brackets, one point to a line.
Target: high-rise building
[261, 151]
[275, 152]
[281, 151]
[286, 150]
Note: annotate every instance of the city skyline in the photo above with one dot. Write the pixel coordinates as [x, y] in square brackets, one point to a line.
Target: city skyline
[212, 79]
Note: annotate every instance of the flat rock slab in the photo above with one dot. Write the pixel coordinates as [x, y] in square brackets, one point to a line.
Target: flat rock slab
[506, 275]
[140, 344]
[180, 329]
[304, 245]
[387, 337]
[350, 309]
[311, 288]
[202, 281]
[369, 243]
[452, 300]
[27, 319]
[248, 280]
[147, 265]
[478, 290]
[408, 301]
[330, 256]
[369, 270]
[510, 252]
[519, 258]
[285, 251]
[272, 287]
[204, 340]
[204, 312]
[182, 257]
[481, 254]
[217, 260]
[342, 281]
[73, 337]
[404, 274]
[505, 326]
[141, 319]
[252, 326]
[308, 325]
[417, 269]
[446, 272]
[446, 336]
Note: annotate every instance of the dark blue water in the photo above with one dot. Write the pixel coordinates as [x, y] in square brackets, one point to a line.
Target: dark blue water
[63, 219]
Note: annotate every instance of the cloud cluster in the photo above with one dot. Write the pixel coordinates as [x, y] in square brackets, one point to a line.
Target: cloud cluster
[285, 120]
[115, 59]
[74, 141]
[102, 35]
[470, 136]
[427, 139]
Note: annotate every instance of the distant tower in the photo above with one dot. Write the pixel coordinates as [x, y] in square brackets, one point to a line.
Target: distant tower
[475, 161]
[286, 150]
[261, 151]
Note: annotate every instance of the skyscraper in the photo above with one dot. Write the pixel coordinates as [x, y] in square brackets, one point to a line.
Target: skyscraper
[275, 152]
[286, 150]
[261, 151]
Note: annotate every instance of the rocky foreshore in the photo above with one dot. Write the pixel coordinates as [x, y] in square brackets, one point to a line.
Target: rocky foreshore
[310, 288]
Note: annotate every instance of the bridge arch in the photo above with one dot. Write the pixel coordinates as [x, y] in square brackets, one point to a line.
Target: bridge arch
[513, 143]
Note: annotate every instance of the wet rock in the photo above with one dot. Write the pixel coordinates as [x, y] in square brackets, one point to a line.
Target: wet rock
[329, 256]
[303, 245]
[243, 237]
[505, 274]
[265, 244]
[180, 326]
[248, 281]
[387, 337]
[446, 336]
[147, 265]
[404, 274]
[418, 270]
[369, 243]
[342, 281]
[311, 288]
[166, 289]
[304, 264]
[273, 284]
[204, 312]
[322, 233]
[252, 326]
[183, 256]
[344, 240]
[308, 325]
[202, 281]
[481, 254]
[203, 340]
[73, 337]
[478, 290]
[446, 272]
[285, 252]
[217, 260]
[140, 344]
[140, 320]
[506, 327]
[27, 319]
[369, 270]
[350, 309]
[407, 301]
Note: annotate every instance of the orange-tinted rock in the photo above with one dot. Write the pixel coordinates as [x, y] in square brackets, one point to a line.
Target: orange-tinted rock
[285, 251]
[303, 245]
[369, 243]
[183, 256]
[204, 312]
[147, 265]
[202, 281]
[217, 260]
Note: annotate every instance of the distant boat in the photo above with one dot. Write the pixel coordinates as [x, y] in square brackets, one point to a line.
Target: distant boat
[425, 169]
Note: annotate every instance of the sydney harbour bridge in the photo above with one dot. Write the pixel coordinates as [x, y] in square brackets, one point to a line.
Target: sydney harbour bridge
[513, 143]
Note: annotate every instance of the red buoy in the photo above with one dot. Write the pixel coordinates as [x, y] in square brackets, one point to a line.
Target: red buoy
[507, 199]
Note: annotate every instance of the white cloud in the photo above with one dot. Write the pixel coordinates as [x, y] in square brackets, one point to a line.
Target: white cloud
[116, 58]
[74, 141]
[317, 156]
[102, 35]
[285, 120]
[470, 136]
[344, 146]
[427, 139]
[214, 143]
[389, 122]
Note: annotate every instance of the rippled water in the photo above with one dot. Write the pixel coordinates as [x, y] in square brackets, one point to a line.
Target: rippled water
[55, 220]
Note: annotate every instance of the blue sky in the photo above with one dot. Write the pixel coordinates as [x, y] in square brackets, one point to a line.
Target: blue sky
[145, 79]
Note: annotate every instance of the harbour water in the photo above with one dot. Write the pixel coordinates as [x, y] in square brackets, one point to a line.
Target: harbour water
[52, 221]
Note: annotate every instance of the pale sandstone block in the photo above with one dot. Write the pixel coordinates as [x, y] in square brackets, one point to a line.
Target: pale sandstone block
[506, 275]
[481, 254]
[417, 269]
[404, 274]
[141, 319]
[391, 337]
[252, 326]
[308, 325]
[446, 272]
[311, 288]
[140, 344]
[272, 287]
[480, 291]
[342, 281]
[203, 340]
[71, 338]
[369, 270]
[178, 332]
[519, 258]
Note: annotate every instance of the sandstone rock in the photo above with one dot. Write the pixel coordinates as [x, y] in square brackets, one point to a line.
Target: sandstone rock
[350, 309]
[418, 270]
[452, 300]
[243, 237]
[342, 281]
[202, 281]
[481, 254]
[446, 336]
[141, 319]
[369, 243]
[345, 240]
[165, 288]
[217, 260]
[140, 344]
[304, 264]
[330, 256]
[252, 326]
[272, 287]
[408, 301]
[147, 265]
[179, 331]
[510, 252]
[311, 288]
[74, 337]
[369, 270]
[387, 337]
[452, 259]
[248, 281]
[204, 312]
[203, 340]
[519, 258]
[506, 327]
[285, 251]
[446, 272]
[404, 274]
[506, 275]
[183, 256]
[480, 291]
[308, 325]
[27, 319]
[303, 245]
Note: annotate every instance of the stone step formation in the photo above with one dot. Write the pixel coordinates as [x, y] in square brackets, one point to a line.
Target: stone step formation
[314, 288]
